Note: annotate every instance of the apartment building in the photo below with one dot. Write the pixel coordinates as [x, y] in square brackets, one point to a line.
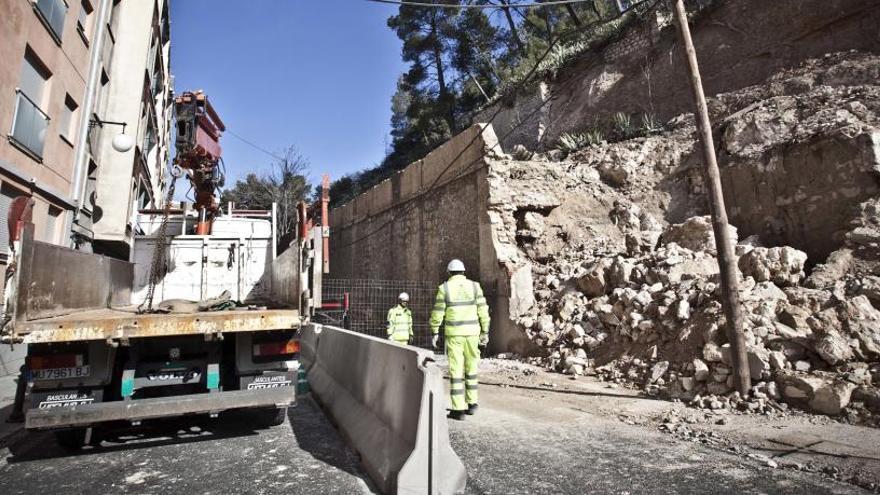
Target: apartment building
[71, 72]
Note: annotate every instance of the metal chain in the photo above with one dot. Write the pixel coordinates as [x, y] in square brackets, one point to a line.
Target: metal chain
[159, 265]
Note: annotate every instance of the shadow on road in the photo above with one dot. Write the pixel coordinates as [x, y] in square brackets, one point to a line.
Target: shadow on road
[319, 438]
[41, 445]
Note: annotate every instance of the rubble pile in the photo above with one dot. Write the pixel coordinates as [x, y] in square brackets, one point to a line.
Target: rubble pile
[621, 258]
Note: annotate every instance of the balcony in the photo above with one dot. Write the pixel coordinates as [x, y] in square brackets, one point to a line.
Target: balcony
[52, 13]
[29, 125]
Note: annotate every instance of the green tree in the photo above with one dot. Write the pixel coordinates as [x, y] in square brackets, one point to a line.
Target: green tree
[424, 32]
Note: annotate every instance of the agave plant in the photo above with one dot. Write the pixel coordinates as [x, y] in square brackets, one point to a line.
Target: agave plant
[622, 124]
[651, 124]
[594, 137]
[572, 141]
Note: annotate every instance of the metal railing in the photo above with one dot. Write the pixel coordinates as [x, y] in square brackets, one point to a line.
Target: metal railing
[370, 300]
[53, 12]
[29, 124]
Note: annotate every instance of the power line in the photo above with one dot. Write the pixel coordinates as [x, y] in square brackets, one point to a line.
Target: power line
[254, 146]
[411, 202]
[483, 6]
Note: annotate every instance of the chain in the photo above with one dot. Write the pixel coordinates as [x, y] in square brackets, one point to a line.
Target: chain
[159, 265]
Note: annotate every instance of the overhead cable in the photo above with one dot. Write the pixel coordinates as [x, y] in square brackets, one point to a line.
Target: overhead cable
[481, 6]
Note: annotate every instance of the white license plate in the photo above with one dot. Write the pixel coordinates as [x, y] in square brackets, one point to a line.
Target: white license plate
[62, 373]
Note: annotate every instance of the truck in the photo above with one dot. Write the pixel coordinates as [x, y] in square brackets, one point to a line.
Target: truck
[223, 336]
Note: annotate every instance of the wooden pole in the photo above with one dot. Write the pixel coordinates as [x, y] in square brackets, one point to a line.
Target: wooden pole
[723, 242]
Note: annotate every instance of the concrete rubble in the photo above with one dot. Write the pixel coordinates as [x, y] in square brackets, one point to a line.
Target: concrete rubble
[620, 256]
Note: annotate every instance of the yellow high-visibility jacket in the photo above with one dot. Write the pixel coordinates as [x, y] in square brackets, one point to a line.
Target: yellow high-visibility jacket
[400, 323]
[461, 308]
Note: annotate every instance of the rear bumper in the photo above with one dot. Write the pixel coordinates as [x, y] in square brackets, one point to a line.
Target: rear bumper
[136, 410]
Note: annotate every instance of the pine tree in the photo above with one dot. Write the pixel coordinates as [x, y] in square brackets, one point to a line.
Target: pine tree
[424, 32]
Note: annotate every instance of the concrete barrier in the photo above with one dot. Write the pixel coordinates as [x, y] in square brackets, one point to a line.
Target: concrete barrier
[388, 401]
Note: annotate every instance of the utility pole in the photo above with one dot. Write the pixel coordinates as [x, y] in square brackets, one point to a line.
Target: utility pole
[723, 242]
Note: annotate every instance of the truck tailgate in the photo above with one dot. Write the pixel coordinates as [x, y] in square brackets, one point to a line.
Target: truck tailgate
[102, 324]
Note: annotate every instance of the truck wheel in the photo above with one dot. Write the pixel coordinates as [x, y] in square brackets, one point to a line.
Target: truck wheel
[271, 417]
[73, 439]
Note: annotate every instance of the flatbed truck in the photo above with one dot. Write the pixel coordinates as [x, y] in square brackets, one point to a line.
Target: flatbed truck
[95, 356]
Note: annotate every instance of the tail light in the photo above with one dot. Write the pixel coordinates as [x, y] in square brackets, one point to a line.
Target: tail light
[282, 348]
[51, 361]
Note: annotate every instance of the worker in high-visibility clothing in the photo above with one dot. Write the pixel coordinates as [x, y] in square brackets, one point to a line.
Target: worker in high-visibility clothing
[400, 326]
[461, 308]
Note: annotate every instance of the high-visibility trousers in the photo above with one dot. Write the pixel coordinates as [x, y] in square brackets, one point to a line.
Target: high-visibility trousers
[464, 360]
[400, 338]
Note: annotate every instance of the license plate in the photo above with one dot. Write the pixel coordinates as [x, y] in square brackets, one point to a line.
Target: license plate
[53, 401]
[62, 373]
[275, 381]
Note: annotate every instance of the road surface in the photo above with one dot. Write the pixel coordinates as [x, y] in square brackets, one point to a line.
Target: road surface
[523, 440]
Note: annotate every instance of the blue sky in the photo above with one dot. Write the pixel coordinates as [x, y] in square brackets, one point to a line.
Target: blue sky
[318, 74]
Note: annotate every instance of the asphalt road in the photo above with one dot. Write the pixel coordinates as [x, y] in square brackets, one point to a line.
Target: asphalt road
[522, 441]
[225, 455]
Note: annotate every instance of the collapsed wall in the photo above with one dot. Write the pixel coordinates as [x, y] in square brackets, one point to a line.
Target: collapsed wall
[623, 258]
[739, 43]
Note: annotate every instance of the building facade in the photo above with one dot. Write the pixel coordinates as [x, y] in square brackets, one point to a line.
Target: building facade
[140, 93]
[69, 67]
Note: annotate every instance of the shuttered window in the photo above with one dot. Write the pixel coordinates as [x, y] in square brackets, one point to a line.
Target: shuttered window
[7, 194]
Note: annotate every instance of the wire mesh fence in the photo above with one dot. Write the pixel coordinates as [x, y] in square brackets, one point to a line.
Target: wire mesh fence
[369, 302]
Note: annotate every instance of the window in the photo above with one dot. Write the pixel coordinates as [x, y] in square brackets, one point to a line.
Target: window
[29, 122]
[52, 13]
[67, 121]
[50, 233]
[82, 22]
[149, 137]
[7, 194]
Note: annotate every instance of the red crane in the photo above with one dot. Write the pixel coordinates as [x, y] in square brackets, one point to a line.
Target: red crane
[198, 153]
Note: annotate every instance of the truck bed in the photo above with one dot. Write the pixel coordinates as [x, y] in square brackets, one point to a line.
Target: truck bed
[102, 324]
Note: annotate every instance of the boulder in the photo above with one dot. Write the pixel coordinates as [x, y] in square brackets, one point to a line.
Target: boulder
[797, 386]
[701, 371]
[870, 288]
[522, 290]
[862, 322]
[825, 275]
[620, 272]
[784, 266]
[832, 397]
[687, 383]
[869, 396]
[712, 353]
[545, 324]
[657, 371]
[833, 348]
[777, 360]
[695, 234]
[594, 282]
[759, 361]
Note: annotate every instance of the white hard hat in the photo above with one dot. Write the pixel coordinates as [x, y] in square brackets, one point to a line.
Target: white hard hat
[455, 266]
[403, 296]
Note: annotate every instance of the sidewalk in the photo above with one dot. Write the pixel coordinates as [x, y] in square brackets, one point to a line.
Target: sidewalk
[7, 396]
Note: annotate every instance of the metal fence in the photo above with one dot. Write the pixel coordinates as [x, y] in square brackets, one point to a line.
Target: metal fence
[369, 302]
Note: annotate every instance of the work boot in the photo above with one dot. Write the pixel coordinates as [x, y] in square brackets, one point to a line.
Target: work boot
[472, 409]
[456, 415]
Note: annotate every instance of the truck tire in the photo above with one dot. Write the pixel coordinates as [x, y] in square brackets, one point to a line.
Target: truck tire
[72, 439]
[271, 416]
